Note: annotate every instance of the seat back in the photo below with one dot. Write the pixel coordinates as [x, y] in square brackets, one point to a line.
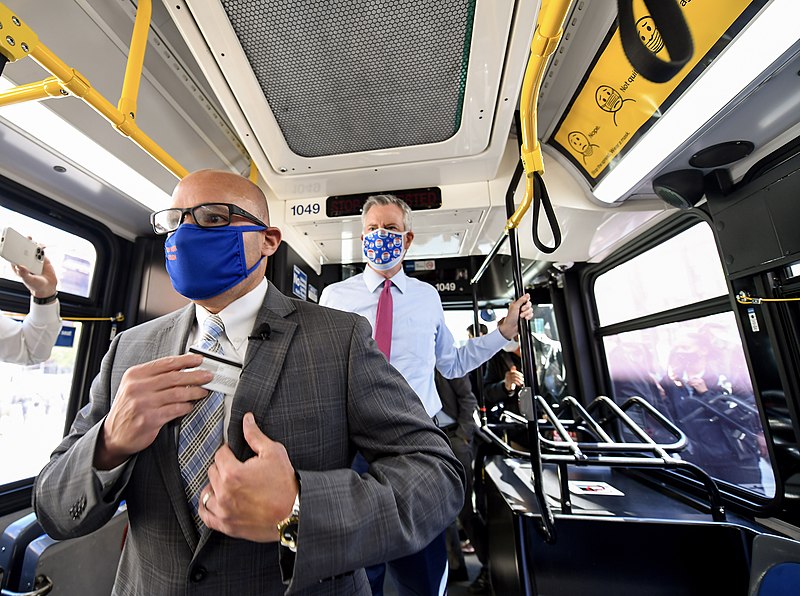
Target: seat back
[85, 565]
[775, 569]
[13, 542]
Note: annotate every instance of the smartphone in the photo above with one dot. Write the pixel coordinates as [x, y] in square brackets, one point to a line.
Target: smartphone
[18, 249]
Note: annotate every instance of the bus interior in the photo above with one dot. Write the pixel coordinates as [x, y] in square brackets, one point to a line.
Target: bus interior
[634, 165]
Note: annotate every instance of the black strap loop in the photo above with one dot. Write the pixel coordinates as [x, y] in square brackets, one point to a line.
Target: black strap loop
[542, 199]
[3, 62]
[670, 25]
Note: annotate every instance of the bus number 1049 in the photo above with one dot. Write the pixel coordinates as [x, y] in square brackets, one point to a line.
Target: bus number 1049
[307, 209]
[446, 286]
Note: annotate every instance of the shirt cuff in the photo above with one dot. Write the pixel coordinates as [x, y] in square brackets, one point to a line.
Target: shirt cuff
[496, 340]
[42, 314]
[108, 478]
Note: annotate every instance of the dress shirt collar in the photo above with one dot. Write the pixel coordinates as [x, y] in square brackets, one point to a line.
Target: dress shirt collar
[239, 316]
[373, 279]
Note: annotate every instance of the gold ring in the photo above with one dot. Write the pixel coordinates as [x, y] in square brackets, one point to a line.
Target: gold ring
[206, 497]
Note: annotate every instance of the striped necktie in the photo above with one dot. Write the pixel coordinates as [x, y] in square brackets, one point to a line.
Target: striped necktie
[202, 428]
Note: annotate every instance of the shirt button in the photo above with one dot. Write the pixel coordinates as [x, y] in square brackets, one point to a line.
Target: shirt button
[199, 574]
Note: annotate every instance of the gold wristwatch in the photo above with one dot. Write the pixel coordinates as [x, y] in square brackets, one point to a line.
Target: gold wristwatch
[287, 529]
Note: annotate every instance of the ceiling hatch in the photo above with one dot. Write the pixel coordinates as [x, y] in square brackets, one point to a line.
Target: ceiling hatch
[372, 75]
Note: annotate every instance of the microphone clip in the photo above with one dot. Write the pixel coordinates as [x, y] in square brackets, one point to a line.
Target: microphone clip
[263, 332]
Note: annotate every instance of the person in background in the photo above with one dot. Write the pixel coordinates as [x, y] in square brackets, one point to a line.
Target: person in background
[246, 487]
[33, 340]
[471, 330]
[473, 374]
[407, 319]
[460, 404]
[503, 378]
[724, 431]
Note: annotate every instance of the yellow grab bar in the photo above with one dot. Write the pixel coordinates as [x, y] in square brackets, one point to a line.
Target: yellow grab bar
[549, 28]
[133, 69]
[74, 82]
[49, 87]
[253, 177]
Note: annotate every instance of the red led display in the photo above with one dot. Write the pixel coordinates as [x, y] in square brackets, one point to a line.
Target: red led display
[419, 199]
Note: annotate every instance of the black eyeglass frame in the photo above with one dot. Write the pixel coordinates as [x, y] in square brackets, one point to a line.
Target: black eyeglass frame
[232, 210]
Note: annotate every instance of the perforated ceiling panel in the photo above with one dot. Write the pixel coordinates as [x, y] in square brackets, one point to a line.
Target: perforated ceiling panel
[344, 76]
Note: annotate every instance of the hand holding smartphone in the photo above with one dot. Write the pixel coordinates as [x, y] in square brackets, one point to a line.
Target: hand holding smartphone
[19, 250]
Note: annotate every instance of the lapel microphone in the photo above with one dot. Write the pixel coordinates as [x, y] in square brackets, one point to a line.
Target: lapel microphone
[262, 333]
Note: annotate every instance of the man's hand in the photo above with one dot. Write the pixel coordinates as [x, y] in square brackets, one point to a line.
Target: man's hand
[698, 384]
[248, 499]
[41, 286]
[520, 308]
[513, 379]
[149, 396]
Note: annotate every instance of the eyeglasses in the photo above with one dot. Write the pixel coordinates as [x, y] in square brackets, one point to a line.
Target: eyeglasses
[207, 215]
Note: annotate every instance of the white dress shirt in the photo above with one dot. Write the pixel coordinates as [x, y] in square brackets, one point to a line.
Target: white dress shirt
[420, 338]
[238, 319]
[32, 341]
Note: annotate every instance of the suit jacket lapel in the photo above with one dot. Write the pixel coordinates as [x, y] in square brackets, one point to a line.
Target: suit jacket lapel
[262, 367]
[171, 340]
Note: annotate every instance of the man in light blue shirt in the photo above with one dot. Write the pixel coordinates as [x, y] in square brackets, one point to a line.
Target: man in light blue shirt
[420, 342]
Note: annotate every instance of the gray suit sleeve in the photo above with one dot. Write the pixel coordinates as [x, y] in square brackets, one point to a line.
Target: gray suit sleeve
[413, 490]
[69, 498]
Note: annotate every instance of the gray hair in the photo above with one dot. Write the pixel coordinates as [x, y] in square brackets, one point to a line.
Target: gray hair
[387, 199]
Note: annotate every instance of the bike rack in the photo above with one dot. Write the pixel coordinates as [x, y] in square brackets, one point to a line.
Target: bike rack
[603, 450]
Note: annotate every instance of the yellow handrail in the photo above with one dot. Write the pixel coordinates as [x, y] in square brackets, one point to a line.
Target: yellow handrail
[117, 318]
[49, 87]
[72, 81]
[549, 28]
[133, 69]
[253, 173]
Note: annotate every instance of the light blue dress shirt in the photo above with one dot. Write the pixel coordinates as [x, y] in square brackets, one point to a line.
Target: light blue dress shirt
[420, 338]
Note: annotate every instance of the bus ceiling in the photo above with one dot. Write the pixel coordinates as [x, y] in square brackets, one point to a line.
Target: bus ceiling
[423, 96]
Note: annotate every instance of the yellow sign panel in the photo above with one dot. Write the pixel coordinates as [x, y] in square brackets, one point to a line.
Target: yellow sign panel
[616, 102]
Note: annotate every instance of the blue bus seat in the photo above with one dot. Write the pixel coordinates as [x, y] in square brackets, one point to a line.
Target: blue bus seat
[775, 569]
[85, 565]
[13, 542]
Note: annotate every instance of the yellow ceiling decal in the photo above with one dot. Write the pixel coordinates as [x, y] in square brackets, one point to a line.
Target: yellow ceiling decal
[615, 105]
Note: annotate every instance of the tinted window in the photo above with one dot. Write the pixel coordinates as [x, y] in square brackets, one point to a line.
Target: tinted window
[683, 270]
[693, 370]
[72, 257]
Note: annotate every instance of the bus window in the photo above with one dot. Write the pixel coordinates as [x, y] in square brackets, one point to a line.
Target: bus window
[693, 370]
[457, 322]
[546, 344]
[670, 275]
[73, 257]
[33, 399]
[33, 407]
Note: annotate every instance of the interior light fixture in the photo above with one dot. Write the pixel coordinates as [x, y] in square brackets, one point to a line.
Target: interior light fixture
[44, 125]
[762, 42]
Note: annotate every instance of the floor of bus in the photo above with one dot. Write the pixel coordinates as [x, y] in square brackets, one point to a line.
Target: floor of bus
[453, 588]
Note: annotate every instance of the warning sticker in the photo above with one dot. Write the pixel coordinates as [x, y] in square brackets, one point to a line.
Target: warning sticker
[583, 487]
[615, 105]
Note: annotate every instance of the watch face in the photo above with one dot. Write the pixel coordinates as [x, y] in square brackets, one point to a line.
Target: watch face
[289, 533]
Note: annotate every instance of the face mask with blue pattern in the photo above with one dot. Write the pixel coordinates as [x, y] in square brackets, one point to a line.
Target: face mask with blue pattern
[384, 248]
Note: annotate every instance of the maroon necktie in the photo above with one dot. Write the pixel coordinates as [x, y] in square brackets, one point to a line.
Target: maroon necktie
[383, 320]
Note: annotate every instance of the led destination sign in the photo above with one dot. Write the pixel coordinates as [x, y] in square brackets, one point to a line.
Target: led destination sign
[419, 199]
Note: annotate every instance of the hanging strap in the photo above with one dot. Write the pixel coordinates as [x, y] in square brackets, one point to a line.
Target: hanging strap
[672, 27]
[542, 199]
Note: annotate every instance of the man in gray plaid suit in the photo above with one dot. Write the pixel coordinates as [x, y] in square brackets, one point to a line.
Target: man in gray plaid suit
[275, 508]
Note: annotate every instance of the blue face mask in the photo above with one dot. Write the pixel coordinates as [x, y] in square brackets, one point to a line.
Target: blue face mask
[205, 262]
[384, 248]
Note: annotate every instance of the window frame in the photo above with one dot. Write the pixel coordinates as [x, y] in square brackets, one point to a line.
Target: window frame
[107, 293]
[670, 228]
